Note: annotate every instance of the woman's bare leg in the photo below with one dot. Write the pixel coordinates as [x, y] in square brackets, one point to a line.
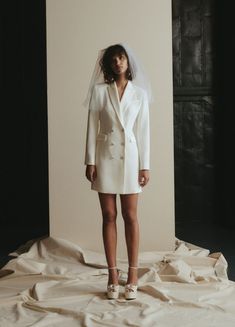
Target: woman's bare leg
[129, 213]
[109, 232]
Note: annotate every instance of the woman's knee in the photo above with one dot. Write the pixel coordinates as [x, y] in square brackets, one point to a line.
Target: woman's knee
[109, 216]
[129, 216]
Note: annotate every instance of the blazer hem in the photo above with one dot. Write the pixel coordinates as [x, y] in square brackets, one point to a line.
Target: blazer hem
[133, 192]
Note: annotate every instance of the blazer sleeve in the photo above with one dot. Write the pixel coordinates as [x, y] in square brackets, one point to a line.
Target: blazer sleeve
[143, 134]
[92, 128]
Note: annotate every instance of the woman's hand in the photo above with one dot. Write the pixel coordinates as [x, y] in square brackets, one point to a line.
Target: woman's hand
[91, 172]
[143, 177]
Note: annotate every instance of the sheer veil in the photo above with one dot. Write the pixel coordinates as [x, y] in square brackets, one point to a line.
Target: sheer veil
[139, 75]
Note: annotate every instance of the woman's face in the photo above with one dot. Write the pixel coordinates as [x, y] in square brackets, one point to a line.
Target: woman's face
[119, 64]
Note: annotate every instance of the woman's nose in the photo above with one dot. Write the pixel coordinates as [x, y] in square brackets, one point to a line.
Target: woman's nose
[117, 62]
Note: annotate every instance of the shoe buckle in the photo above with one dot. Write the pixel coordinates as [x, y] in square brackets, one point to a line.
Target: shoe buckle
[130, 287]
[112, 287]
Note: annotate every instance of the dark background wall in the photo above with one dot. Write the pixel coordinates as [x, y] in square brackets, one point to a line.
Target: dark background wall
[194, 108]
[203, 53]
[24, 159]
[224, 113]
[203, 64]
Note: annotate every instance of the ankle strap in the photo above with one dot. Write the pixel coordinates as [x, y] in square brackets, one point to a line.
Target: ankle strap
[133, 267]
[112, 267]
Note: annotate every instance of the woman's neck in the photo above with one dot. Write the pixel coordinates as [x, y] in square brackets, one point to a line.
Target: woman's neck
[121, 81]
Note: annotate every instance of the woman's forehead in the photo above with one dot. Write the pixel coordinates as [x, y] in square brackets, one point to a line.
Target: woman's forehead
[118, 54]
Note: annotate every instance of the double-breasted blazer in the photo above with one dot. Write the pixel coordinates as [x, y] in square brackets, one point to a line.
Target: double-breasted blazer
[118, 137]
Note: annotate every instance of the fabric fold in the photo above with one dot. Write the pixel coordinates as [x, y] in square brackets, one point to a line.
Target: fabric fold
[52, 281]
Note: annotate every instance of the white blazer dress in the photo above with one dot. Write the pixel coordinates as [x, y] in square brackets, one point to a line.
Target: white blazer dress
[118, 137]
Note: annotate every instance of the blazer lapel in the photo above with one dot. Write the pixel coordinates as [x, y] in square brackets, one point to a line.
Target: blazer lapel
[127, 97]
[114, 100]
[120, 106]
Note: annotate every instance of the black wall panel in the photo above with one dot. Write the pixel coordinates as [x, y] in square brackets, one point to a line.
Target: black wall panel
[193, 56]
[24, 159]
[203, 65]
[224, 127]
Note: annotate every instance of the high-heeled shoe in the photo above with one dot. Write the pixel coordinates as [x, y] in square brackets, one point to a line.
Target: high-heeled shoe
[113, 289]
[131, 289]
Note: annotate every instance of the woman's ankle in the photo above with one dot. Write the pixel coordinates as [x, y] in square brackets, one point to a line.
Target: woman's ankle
[132, 275]
[113, 276]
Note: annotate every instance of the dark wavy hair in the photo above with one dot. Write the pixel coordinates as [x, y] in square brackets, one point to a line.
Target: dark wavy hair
[105, 63]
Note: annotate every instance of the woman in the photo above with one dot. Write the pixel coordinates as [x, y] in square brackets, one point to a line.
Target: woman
[117, 152]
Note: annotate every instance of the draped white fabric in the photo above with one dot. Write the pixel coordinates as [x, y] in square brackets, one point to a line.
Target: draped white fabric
[53, 282]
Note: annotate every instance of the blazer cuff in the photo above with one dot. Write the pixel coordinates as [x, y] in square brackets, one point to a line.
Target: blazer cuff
[89, 163]
[144, 165]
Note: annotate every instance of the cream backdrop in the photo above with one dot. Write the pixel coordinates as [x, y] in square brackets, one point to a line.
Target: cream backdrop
[76, 30]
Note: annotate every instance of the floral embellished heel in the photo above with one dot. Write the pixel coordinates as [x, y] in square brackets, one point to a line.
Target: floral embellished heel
[113, 289]
[131, 289]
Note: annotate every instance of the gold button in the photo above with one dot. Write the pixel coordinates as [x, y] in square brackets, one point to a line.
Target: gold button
[123, 129]
[121, 157]
[122, 143]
